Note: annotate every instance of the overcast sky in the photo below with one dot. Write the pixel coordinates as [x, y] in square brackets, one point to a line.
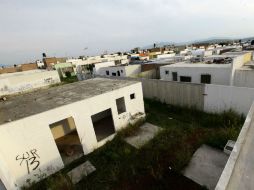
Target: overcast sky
[66, 27]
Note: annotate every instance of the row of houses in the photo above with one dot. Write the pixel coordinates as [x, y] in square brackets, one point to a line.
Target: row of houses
[51, 71]
[72, 120]
[231, 68]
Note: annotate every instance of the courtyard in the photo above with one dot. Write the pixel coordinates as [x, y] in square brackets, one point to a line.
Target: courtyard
[159, 163]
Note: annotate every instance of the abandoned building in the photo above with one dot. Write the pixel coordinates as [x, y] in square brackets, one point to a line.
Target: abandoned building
[47, 129]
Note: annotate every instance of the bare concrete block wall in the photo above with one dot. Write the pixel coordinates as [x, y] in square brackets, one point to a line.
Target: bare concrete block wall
[175, 93]
[206, 97]
[220, 98]
[244, 78]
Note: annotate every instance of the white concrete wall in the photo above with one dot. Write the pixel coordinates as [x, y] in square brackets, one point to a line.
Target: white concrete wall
[244, 78]
[125, 61]
[106, 58]
[183, 52]
[98, 67]
[24, 81]
[219, 74]
[111, 70]
[125, 71]
[99, 63]
[175, 93]
[221, 98]
[77, 61]
[132, 70]
[222, 74]
[238, 62]
[33, 132]
[208, 53]
[165, 55]
[198, 52]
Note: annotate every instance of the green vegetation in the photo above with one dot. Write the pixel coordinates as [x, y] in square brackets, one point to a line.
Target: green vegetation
[120, 166]
[54, 182]
[68, 74]
[131, 129]
[215, 129]
[69, 79]
[66, 80]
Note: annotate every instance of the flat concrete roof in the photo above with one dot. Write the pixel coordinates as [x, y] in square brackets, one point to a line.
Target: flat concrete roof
[195, 65]
[220, 56]
[247, 67]
[236, 53]
[166, 61]
[7, 75]
[24, 105]
[123, 66]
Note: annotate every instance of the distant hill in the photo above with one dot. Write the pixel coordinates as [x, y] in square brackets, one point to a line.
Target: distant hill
[208, 40]
[159, 44]
[247, 39]
[211, 40]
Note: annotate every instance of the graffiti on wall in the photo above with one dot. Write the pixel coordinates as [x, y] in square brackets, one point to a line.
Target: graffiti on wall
[24, 87]
[29, 159]
[49, 80]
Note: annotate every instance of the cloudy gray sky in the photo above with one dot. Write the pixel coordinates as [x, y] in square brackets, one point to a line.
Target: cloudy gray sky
[66, 27]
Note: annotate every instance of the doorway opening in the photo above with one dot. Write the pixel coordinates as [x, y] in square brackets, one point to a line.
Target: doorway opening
[67, 140]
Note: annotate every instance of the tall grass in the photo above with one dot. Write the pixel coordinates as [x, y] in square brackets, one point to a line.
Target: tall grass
[184, 130]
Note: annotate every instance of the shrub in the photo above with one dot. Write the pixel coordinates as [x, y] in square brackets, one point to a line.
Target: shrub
[68, 74]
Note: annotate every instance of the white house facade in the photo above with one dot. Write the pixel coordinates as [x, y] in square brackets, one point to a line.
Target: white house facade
[213, 70]
[120, 71]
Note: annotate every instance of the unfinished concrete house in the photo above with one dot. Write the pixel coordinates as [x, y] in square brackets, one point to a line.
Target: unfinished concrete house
[43, 131]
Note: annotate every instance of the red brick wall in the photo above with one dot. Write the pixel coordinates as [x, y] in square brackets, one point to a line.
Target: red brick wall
[8, 70]
[29, 66]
